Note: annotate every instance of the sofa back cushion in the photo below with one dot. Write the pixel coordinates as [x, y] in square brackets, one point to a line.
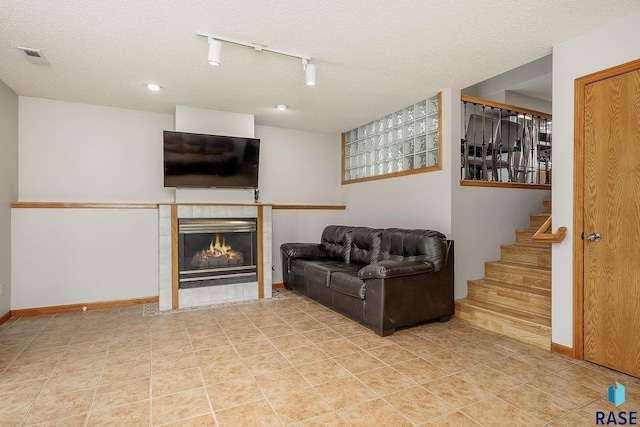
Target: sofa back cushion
[365, 245]
[336, 239]
[414, 245]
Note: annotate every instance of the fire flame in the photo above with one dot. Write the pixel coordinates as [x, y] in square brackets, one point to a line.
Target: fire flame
[217, 255]
[218, 250]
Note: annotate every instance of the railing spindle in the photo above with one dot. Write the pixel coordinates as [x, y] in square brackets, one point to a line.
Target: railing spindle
[523, 135]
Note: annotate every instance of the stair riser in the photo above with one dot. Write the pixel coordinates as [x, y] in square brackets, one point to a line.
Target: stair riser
[526, 236]
[546, 206]
[536, 221]
[523, 257]
[537, 335]
[525, 277]
[536, 304]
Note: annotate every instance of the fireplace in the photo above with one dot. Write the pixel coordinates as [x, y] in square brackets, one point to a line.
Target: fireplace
[216, 251]
[244, 228]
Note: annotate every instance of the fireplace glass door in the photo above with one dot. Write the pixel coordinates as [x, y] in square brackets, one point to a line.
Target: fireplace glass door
[216, 252]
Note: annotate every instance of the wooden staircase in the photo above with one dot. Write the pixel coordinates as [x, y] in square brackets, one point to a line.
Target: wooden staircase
[514, 297]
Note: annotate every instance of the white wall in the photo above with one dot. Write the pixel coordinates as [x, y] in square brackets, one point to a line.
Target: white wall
[213, 122]
[72, 152]
[8, 185]
[296, 167]
[412, 201]
[524, 101]
[300, 168]
[68, 256]
[604, 47]
[485, 218]
[501, 88]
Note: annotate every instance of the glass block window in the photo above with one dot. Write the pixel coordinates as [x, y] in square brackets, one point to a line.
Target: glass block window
[401, 143]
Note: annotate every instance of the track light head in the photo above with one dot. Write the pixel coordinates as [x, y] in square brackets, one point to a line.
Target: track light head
[310, 70]
[215, 49]
[311, 75]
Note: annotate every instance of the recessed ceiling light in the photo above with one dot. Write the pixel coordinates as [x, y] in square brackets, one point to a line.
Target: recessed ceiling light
[281, 107]
[154, 87]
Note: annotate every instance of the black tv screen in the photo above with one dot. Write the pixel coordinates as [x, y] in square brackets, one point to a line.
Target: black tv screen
[198, 160]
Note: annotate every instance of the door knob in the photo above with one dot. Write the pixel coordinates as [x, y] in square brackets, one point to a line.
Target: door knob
[594, 237]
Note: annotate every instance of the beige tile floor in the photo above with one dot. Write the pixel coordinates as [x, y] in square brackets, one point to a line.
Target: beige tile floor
[285, 361]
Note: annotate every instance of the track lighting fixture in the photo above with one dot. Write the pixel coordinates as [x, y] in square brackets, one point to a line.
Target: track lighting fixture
[310, 73]
[215, 49]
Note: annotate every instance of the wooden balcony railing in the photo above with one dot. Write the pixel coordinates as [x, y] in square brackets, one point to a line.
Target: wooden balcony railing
[504, 144]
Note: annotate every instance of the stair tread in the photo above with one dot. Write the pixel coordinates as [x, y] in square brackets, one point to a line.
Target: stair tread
[529, 246]
[511, 313]
[520, 266]
[512, 286]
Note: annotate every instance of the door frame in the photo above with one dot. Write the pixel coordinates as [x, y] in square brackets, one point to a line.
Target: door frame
[578, 196]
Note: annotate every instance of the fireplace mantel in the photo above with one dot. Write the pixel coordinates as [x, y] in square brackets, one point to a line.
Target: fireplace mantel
[170, 297]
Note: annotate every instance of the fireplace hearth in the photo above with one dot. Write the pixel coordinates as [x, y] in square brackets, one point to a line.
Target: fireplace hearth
[216, 251]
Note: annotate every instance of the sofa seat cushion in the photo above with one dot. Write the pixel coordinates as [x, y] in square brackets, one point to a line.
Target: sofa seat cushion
[321, 271]
[348, 284]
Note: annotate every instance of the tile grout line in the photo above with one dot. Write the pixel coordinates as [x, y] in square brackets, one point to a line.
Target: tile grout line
[95, 392]
[204, 383]
[253, 377]
[26, 414]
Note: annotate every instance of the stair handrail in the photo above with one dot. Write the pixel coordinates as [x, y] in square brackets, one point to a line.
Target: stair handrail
[543, 234]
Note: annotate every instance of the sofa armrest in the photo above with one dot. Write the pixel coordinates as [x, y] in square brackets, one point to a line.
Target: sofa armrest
[303, 250]
[387, 269]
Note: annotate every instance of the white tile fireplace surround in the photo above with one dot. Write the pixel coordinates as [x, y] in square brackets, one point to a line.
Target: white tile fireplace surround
[168, 286]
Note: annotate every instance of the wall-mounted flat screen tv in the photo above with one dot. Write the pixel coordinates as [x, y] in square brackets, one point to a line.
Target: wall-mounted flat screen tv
[198, 160]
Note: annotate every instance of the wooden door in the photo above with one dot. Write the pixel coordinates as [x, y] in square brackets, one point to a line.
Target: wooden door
[612, 209]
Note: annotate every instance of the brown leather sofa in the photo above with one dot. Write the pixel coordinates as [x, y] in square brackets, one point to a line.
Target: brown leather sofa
[384, 278]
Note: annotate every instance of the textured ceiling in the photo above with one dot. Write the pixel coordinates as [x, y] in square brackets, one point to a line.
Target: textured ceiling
[372, 56]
